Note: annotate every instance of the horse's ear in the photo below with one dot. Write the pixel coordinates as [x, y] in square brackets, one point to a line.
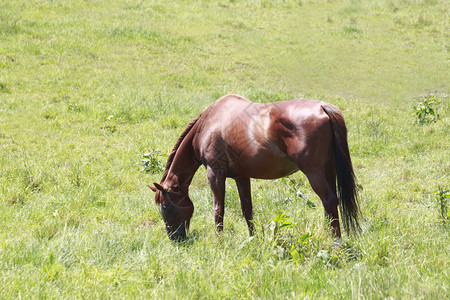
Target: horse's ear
[152, 188]
[159, 187]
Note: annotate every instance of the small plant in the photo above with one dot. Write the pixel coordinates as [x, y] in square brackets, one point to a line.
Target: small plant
[298, 251]
[279, 222]
[151, 163]
[426, 111]
[284, 246]
[442, 197]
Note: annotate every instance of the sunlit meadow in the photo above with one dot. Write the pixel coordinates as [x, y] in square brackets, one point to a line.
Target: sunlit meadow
[94, 93]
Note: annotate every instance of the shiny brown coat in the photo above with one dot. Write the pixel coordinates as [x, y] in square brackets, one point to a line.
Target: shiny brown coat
[240, 139]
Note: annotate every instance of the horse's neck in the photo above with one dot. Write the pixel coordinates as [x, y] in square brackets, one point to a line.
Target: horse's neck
[183, 167]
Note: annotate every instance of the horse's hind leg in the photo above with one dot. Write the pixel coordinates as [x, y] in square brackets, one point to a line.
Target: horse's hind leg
[245, 194]
[323, 182]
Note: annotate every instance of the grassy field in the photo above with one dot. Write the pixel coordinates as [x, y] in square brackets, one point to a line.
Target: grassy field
[87, 87]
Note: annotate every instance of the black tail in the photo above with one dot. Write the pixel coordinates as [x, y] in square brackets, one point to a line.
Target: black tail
[346, 181]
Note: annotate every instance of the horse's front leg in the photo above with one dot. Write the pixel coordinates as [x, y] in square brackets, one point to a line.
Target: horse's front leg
[216, 179]
[245, 194]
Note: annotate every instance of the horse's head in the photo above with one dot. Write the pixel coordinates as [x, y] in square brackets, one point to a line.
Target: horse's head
[176, 209]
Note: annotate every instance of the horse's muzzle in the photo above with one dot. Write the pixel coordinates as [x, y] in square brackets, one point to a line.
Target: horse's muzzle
[178, 235]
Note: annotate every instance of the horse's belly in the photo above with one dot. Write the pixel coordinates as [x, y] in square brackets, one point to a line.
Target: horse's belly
[262, 167]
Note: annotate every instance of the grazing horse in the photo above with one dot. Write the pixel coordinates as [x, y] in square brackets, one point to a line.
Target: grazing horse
[240, 139]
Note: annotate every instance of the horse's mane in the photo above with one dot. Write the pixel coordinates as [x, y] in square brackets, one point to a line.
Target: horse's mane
[177, 145]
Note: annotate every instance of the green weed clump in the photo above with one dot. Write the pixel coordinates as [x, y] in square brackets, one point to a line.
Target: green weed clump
[442, 197]
[151, 162]
[426, 111]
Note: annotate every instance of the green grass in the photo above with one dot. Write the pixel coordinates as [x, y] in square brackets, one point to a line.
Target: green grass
[88, 87]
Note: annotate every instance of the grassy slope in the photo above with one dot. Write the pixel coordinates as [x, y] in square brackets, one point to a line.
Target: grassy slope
[87, 87]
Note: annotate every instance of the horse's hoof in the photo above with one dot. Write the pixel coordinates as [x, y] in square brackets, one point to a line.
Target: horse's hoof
[338, 243]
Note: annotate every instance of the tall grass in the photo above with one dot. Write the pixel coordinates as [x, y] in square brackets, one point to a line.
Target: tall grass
[87, 88]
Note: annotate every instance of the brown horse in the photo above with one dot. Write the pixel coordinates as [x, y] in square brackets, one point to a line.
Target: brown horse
[240, 139]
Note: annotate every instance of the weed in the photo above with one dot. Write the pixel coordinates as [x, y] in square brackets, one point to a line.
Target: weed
[426, 111]
[298, 250]
[284, 246]
[279, 222]
[442, 197]
[151, 163]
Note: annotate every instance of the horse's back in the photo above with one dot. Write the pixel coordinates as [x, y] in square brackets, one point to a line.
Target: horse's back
[264, 140]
